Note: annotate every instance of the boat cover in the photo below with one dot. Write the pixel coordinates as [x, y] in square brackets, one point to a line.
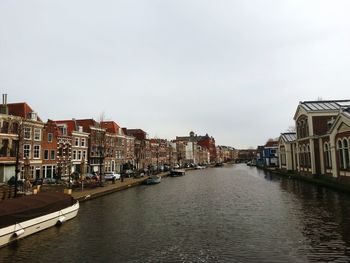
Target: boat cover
[24, 208]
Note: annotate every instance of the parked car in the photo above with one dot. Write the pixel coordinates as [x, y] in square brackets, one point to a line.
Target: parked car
[128, 173]
[12, 181]
[49, 181]
[91, 177]
[111, 176]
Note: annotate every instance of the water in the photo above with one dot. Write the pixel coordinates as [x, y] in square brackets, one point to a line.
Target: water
[230, 214]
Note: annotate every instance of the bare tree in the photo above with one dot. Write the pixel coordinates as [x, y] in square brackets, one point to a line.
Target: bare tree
[17, 127]
[101, 143]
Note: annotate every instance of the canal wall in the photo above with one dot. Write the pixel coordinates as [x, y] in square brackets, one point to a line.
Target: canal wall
[320, 180]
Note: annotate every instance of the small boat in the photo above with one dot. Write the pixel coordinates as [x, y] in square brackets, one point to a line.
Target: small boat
[24, 216]
[153, 179]
[177, 172]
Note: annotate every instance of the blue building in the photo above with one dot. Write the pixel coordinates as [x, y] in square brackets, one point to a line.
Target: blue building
[270, 154]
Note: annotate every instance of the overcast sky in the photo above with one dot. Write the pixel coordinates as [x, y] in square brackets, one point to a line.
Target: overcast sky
[233, 69]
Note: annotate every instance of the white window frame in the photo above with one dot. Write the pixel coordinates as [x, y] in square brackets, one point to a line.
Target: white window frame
[37, 131]
[82, 142]
[36, 149]
[27, 131]
[74, 154]
[76, 143]
[28, 150]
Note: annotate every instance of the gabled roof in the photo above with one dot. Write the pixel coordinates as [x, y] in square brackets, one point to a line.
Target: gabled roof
[110, 127]
[342, 114]
[289, 136]
[21, 109]
[346, 112]
[325, 105]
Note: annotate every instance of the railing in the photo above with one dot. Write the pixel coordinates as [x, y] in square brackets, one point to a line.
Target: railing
[7, 192]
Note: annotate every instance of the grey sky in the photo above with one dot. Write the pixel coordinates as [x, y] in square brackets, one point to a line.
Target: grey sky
[233, 69]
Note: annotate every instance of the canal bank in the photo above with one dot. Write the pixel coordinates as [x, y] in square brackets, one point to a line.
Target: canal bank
[86, 194]
[324, 181]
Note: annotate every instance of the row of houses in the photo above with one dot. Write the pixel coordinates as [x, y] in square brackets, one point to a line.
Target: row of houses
[320, 143]
[58, 148]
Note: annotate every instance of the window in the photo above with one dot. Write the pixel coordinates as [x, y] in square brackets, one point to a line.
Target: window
[52, 155]
[27, 133]
[37, 134]
[283, 156]
[79, 155]
[46, 154]
[84, 155]
[36, 152]
[26, 151]
[74, 155]
[76, 141]
[49, 137]
[82, 142]
[328, 155]
[346, 153]
[340, 155]
[63, 130]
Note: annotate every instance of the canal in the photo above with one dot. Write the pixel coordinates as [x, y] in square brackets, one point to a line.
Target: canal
[230, 214]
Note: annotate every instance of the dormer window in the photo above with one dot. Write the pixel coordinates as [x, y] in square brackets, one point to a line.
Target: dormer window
[63, 129]
[33, 116]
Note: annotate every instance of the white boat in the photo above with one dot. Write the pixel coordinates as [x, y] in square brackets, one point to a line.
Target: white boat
[24, 216]
[153, 179]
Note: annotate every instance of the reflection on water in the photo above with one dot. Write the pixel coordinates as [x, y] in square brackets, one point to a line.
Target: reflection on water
[230, 214]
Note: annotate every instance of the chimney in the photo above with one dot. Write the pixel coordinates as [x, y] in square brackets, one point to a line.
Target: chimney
[4, 108]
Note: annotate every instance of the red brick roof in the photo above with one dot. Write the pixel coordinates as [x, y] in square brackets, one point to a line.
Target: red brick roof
[20, 109]
[137, 133]
[271, 144]
[70, 125]
[86, 124]
[110, 126]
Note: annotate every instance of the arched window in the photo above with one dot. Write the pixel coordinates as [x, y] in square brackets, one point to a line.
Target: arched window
[346, 153]
[301, 156]
[283, 155]
[327, 155]
[340, 154]
[302, 132]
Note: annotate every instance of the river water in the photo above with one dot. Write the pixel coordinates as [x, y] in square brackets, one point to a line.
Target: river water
[228, 214]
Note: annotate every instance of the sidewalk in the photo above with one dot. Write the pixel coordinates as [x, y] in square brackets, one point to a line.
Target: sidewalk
[108, 188]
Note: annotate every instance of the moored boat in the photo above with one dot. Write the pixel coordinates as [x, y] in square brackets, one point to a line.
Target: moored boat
[154, 179]
[24, 216]
[177, 172]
